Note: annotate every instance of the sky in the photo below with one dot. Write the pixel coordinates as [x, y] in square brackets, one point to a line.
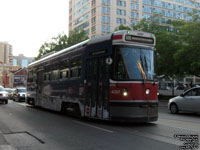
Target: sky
[27, 24]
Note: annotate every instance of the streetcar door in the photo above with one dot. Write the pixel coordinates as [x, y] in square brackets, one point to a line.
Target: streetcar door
[97, 83]
[91, 87]
[103, 89]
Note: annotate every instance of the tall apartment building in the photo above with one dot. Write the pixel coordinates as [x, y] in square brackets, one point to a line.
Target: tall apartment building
[22, 61]
[6, 56]
[98, 17]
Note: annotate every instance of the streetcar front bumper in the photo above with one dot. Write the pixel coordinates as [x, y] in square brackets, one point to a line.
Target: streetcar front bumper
[134, 111]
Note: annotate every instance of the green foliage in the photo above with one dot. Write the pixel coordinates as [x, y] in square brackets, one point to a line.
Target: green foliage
[76, 37]
[122, 27]
[177, 45]
[188, 57]
[61, 42]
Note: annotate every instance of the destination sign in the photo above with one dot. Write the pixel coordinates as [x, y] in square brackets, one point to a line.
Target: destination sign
[138, 39]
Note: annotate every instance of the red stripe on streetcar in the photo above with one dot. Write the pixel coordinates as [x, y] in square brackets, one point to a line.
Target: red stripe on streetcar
[134, 91]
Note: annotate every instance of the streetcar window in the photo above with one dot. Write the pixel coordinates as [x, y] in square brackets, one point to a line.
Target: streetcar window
[67, 74]
[79, 71]
[71, 73]
[45, 77]
[34, 77]
[75, 72]
[49, 76]
[61, 75]
[55, 75]
[133, 63]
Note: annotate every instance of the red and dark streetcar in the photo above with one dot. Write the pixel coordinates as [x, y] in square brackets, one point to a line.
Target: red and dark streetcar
[110, 77]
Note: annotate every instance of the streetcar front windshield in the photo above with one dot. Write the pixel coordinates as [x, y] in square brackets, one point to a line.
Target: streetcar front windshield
[133, 63]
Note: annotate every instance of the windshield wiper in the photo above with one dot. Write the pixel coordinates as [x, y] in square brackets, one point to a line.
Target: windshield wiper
[141, 70]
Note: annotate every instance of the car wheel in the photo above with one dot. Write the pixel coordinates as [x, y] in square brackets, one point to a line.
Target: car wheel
[174, 108]
[6, 101]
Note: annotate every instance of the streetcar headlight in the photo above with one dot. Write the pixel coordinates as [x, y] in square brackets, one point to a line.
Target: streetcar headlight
[147, 91]
[125, 92]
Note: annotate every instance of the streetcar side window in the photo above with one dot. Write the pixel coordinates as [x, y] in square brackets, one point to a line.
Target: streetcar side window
[79, 71]
[55, 75]
[76, 63]
[45, 77]
[67, 74]
[64, 74]
[61, 75]
[49, 76]
[34, 77]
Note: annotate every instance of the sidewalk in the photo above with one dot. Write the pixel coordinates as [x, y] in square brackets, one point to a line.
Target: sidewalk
[4, 145]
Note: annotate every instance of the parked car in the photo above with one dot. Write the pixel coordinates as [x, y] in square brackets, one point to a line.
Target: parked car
[189, 101]
[11, 93]
[3, 95]
[19, 94]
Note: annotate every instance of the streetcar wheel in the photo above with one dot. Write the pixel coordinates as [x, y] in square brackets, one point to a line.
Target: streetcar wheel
[174, 108]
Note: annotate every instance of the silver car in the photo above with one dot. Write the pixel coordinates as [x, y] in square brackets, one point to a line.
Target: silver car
[19, 94]
[3, 95]
[189, 101]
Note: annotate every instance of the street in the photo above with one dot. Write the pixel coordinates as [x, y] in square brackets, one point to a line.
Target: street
[23, 127]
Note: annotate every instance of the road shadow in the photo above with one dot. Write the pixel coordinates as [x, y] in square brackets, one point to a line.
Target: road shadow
[186, 114]
[94, 120]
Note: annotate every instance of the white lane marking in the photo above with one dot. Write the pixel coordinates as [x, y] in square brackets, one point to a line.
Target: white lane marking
[85, 124]
[161, 138]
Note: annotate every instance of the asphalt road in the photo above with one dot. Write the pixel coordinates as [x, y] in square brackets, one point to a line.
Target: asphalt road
[26, 128]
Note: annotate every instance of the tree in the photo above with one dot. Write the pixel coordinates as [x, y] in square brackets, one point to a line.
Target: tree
[188, 57]
[166, 48]
[166, 44]
[61, 42]
[122, 27]
[76, 36]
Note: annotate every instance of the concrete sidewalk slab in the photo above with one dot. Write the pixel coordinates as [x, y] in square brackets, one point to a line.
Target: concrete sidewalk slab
[7, 147]
[4, 145]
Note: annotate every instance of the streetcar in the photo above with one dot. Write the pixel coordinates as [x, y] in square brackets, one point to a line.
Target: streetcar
[110, 77]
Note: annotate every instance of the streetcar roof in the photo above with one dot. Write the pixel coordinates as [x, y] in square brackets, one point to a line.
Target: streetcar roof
[58, 53]
[89, 41]
[92, 41]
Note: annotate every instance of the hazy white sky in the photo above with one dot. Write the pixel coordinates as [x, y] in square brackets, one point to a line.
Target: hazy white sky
[27, 24]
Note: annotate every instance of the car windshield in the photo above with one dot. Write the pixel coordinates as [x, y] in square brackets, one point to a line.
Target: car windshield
[7, 89]
[133, 63]
[2, 89]
[21, 90]
[12, 90]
